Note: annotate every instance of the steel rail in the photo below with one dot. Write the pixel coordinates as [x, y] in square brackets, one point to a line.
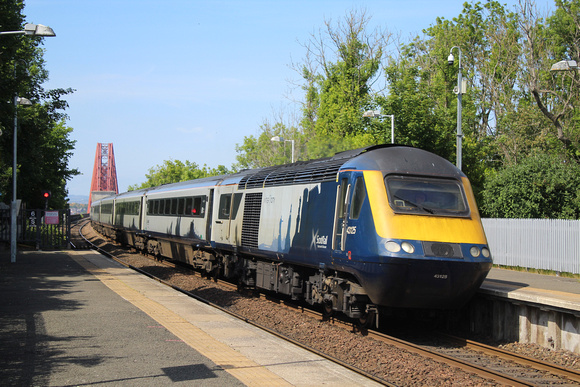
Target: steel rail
[541, 365]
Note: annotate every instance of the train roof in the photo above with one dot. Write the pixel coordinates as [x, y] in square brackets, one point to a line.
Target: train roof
[388, 158]
[400, 159]
[206, 181]
[301, 172]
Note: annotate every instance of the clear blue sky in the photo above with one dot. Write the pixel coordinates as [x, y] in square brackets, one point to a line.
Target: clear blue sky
[186, 79]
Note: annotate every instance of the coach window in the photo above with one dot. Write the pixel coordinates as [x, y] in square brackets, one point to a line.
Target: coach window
[358, 197]
[180, 206]
[342, 208]
[188, 206]
[174, 207]
[225, 206]
[198, 206]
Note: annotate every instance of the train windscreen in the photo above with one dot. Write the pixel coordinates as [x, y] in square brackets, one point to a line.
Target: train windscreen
[426, 196]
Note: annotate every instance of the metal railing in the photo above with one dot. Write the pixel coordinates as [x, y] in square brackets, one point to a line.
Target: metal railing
[45, 230]
[545, 244]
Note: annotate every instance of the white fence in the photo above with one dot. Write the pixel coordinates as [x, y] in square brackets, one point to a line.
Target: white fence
[547, 244]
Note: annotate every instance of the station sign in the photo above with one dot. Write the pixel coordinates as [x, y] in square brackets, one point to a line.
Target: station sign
[51, 217]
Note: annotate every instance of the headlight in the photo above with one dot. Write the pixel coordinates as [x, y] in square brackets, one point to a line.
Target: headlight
[408, 248]
[486, 253]
[474, 251]
[392, 247]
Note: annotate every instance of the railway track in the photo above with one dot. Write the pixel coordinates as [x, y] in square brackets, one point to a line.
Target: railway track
[484, 360]
[488, 363]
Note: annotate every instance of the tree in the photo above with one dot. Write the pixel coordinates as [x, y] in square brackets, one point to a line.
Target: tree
[341, 66]
[421, 86]
[556, 95]
[44, 146]
[262, 152]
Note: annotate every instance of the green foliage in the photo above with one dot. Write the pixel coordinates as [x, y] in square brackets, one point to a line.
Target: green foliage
[558, 93]
[338, 86]
[263, 152]
[175, 171]
[419, 104]
[540, 186]
[328, 145]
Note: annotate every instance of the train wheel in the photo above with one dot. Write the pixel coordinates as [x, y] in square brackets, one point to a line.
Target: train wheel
[327, 311]
[365, 322]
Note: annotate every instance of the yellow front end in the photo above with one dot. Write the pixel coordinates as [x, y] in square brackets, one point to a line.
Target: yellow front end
[422, 227]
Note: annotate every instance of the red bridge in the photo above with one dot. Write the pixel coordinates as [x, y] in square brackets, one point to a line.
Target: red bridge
[104, 182]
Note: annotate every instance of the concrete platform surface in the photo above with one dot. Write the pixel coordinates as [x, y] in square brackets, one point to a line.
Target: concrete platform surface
[78, 318]
[560, 292]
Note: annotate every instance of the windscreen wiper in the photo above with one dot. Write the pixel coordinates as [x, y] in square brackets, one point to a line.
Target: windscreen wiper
[426, 209]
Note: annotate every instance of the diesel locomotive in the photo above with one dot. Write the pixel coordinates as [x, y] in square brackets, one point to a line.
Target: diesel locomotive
[385, 226]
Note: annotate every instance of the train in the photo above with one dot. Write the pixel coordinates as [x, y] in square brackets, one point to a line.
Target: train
[376, 228]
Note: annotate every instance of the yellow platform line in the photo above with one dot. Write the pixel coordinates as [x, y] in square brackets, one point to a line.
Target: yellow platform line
[233, 362]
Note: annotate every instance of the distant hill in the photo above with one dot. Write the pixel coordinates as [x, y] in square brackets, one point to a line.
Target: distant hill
[82, 199]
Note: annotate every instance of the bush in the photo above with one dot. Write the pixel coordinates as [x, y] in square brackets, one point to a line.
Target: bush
[541, 186]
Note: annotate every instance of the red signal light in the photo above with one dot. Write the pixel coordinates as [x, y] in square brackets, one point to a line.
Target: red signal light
[46, 194]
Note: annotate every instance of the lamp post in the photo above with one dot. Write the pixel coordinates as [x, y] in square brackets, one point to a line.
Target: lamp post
[459, 90]
[32, 30]
[377, 114]
[14, 207]
[29, 30]
[280, 139]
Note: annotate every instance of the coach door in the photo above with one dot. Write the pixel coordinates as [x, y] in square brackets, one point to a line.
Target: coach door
[209, 211]
[227, 205]
[341, 216]
[350, 196]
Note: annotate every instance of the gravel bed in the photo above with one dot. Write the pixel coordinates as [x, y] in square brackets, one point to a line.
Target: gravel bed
[386, 362]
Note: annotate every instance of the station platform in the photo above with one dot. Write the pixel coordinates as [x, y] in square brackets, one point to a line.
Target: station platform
[78, 318]
[529, 308]
[557, 292]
